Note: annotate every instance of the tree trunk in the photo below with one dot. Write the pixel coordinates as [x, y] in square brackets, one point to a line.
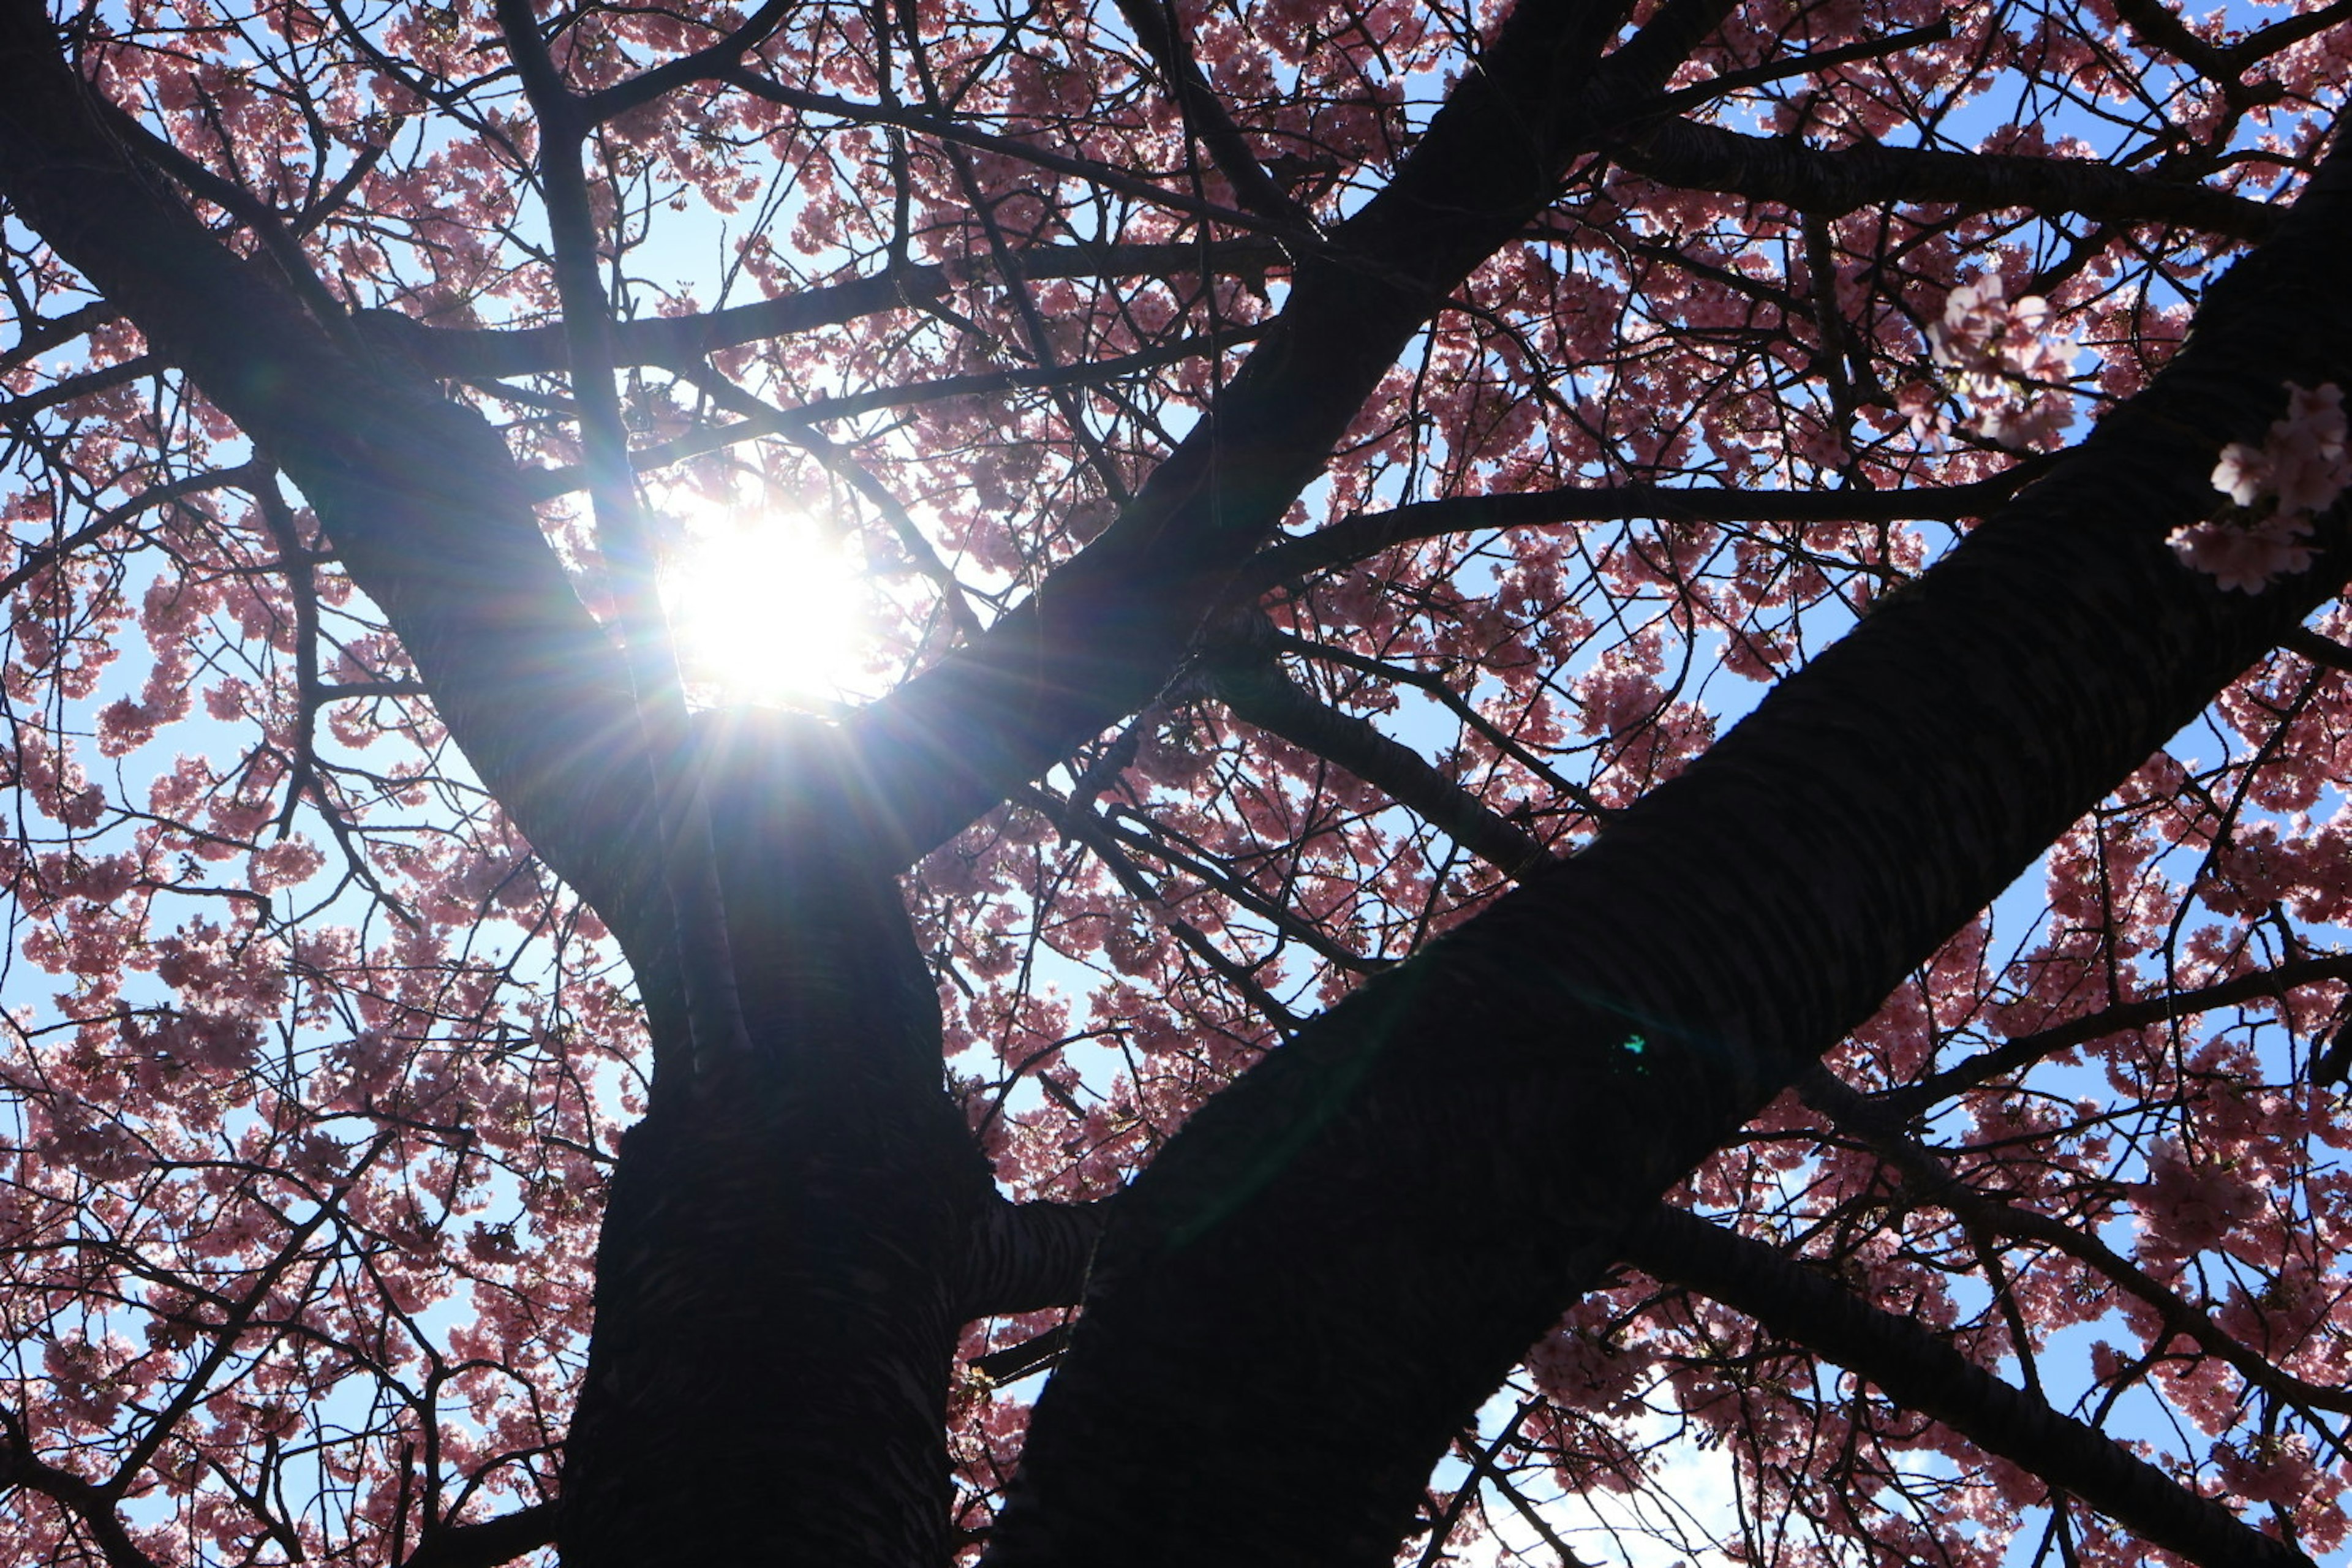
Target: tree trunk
[775, 1323]
[778, 1284]
[1314, 1286]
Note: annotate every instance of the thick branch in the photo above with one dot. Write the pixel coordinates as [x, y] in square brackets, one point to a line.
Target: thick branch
[419, 496]
[1159, 29]
[1597, 1031]
[486, 1543]
[1923, 1373]
[686, 69]
[93, 1506]
[1027, 1255]
[1103, 634]
[1258, 691]
[688, 894]
[1925, 1174]
[1831, 181]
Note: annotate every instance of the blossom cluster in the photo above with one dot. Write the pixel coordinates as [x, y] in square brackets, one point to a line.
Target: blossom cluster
[2300, 468]
[2003, 361]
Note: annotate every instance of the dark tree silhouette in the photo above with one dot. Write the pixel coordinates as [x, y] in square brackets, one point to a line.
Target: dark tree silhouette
[394, 260]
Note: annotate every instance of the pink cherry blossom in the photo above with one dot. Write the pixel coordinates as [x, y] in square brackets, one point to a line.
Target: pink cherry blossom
[2300, 468]
[2004, 361]
[2248, 557]
[315, 1068]
[2303, 464]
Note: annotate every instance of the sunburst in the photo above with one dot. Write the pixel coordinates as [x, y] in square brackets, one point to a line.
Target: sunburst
[767, 607]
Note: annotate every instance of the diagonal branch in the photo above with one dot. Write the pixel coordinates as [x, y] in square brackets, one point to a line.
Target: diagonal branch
[1255, 686]
[419, 495]
[1159, 29]
[606, 103]
[1103, 634]
[1927, 1174]
[94, 1507]
[1923, 1373]
[1593, 1034]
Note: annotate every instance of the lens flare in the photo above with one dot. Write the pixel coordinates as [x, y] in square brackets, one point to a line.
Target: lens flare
[767, 608]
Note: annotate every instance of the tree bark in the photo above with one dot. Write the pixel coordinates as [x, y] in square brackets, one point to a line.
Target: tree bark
[1313, 1287]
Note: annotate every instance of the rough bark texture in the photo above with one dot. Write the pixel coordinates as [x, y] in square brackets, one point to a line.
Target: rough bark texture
[1359, 1237]
[794, 1236]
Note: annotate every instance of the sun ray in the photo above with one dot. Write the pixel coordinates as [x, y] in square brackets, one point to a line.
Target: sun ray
[767, 608]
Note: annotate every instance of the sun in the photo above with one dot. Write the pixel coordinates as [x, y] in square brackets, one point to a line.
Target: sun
[767, 607]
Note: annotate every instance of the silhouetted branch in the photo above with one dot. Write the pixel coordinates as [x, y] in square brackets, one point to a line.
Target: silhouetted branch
[1102, 635]
[1159, 29]
[1926, 1176]
[1593, 1034]
[547, 483]
[1900, 1104]
[1831, 181]
[1258, 691]
[1024, 1257]
[678, 343]
[1921, 1371]
[487, 1543]
[1366, 535]
[93, 1506]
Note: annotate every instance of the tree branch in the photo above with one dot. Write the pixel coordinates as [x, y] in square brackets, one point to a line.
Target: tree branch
[1252, 684]
[419, 496]
[703, 64]
[1103, 634]
[716, 1036]
[1366, 535]
[1597, 1031]
[1907, 1100]
[1926, 1173]
[1923, 1373]
[1158, 27]
[487, 1543]
[1833, 181]
[547, 483]
[1024, 1257]
[1088, 170]
[93, 1506]
[678, 342]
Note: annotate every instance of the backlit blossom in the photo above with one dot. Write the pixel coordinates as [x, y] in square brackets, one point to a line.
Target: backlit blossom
[2301, 463]
[2003, 361]
[2247, 558]
[2300, 468]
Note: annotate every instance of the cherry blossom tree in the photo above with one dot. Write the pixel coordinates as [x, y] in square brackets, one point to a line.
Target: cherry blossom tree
[1589, 800]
